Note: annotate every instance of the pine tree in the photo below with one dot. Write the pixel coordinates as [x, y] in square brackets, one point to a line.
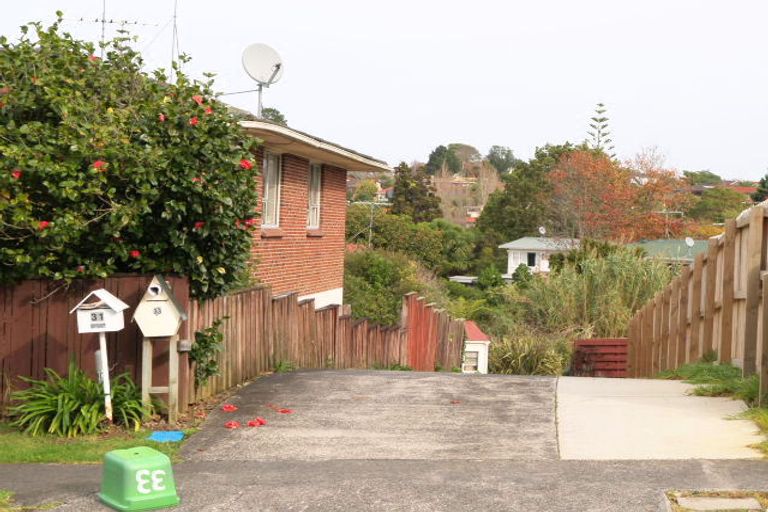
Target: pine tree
[599, 132]
[761, 194]
[414, 195]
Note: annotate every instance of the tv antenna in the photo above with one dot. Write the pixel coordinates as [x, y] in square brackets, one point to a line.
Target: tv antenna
[690, 243]
[263, 64]
[542, 230]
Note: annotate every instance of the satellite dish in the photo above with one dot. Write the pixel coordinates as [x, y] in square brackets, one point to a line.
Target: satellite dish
[542, 230]
[263, 64]
[689, 242]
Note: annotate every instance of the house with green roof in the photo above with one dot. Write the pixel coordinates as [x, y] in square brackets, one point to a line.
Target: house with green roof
[671, 250]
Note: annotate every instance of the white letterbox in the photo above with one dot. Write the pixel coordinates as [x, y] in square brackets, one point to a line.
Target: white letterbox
[100, 311]
[159, 314]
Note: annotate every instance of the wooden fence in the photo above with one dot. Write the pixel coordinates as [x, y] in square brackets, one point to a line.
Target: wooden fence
[600, 357]
[716, 304]
[37, 332]
[263, 331]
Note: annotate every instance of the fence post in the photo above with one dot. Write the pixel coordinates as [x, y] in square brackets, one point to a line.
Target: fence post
[726, 309]
[695, 299]
[709, 297]
[763, 370]
[664, 346]
[682, 331]
[754, 247]
[674, 308]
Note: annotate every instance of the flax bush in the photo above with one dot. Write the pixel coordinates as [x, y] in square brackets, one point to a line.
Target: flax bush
[527, 351]
[600, 293]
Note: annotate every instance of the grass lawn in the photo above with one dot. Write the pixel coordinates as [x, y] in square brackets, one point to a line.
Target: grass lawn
[16, 447]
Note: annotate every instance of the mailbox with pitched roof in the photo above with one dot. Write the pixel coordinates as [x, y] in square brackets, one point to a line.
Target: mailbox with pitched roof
[159, 314]
[100, 311]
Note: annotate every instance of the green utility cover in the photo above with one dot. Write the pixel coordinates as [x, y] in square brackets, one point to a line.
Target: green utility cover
[138, 479]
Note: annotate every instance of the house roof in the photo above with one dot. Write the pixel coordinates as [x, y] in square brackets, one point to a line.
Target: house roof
[533, 243]
[473, 332]
[672, 250]
[285, 139]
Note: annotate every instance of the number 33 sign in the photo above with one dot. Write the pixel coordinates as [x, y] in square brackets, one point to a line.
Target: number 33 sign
[150, 481]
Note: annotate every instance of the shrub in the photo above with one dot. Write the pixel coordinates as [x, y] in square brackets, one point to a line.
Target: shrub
[489, 278]
[375, 282]
[74, 405]
[204, 352]
[106, 169]
[526, 351]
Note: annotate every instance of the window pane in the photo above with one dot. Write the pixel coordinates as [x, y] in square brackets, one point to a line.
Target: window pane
[315, 182]
[271, 200]
[531, 259]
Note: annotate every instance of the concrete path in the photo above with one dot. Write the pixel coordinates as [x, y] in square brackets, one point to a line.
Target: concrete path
[610, 419]
[386, 415]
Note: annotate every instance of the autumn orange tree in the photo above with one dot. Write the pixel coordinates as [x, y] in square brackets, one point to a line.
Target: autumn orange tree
[592, 197]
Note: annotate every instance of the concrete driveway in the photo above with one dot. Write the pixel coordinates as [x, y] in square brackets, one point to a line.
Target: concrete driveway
[386, 415]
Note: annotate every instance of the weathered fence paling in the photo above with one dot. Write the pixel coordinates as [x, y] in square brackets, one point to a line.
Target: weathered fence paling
[716, 304]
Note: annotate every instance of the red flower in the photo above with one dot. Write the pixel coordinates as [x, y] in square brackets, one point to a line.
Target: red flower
[246, 164]
[80, 268]
[209, 110]
[194, 121]
[199, 224]
[198, 99]
[250, 222]
[162, 118]
[98, 164]
[135, 254]
[232, 424]
[93, 58]
[43, 224]
[197, 180]
[285, 411]
[16, 174]
[228, 408]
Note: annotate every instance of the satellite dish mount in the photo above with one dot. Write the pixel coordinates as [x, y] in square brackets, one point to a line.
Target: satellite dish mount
[263, 64]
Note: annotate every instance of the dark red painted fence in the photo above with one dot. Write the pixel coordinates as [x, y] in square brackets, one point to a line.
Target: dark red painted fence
[602, 357]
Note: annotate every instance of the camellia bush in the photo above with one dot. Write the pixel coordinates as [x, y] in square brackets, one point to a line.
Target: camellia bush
[105, 168]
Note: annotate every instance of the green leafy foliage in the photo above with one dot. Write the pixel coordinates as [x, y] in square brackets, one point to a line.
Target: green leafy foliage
[375, 282]
[501, 158]
[442, 159]
[104, 168]
[714, 379]
[439, 245]
[702, 178]
[718, 204]
[490, 277]
[414, 195]
[74, 405]
[526, 351]
[761, 194]
[204, 353]
[284, 367]
[522, 275]
[365, 191]
[274, 115]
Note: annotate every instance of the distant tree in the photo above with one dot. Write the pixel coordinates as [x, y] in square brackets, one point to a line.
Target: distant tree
[501, 158]
[366, 191]
[590, 197]
[702, 178]
[522, 275]
[717, 205]
[442, 159]
[465, 152]
[599, 133]
[274, 115]
[761, 194]
[414, 195]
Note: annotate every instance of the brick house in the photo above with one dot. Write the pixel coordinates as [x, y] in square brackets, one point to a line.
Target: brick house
[303, 209]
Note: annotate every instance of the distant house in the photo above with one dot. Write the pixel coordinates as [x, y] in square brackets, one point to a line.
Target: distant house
[671, 251]
[535, 252]
[299, 246]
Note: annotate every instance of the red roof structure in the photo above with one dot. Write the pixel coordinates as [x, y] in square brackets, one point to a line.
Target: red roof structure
[473, 332]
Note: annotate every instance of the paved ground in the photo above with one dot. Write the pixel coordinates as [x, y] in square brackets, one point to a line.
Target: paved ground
[630, 419]
[397, 441]
[387, 415]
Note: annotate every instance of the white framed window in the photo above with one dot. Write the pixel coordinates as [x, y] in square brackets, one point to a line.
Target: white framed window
[271, 198]
[315, 184]
[470, 361]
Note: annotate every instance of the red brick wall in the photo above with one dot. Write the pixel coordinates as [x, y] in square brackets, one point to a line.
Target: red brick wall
[290, 258]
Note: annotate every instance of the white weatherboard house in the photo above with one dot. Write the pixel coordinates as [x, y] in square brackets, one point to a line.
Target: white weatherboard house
[535, 252]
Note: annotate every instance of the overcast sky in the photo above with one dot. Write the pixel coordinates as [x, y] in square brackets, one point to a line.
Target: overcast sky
[395, 79]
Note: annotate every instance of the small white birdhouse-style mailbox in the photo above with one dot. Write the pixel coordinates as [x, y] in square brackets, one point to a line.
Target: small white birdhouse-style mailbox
[476, 345]
[159, 314]
[100, 311]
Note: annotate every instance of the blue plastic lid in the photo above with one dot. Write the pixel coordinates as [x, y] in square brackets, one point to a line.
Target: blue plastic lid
[167, 436]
